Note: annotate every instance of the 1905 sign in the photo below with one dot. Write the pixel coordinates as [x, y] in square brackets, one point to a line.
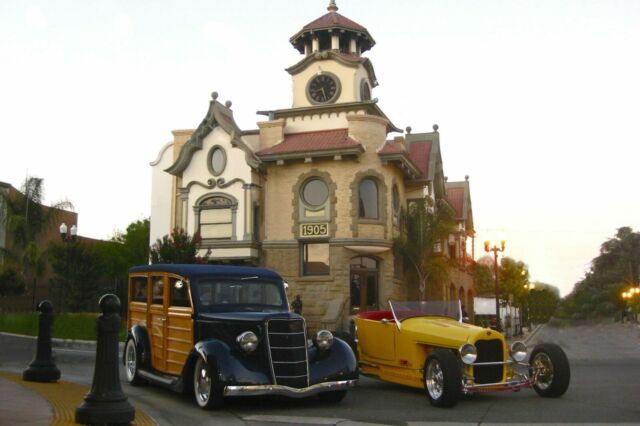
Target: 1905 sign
[314, 229]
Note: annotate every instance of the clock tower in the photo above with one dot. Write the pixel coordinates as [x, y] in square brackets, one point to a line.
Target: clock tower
[333, 70]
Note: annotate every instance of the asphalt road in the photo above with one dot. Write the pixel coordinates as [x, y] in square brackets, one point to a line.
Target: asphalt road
[605, 388]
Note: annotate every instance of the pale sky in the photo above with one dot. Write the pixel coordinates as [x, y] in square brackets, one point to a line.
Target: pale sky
[537, 101]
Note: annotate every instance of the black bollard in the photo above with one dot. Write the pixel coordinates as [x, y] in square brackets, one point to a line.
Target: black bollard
[106, 403]
[43, 367]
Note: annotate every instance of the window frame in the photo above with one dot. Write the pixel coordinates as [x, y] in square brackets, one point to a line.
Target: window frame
[304, 255]
[362, 211]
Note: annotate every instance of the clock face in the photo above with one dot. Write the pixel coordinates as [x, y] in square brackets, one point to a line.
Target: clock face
[323, 88]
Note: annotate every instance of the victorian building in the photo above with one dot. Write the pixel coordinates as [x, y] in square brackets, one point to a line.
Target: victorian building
[316, 191]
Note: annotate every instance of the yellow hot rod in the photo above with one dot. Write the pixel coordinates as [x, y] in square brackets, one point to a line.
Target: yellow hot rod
[427, 345]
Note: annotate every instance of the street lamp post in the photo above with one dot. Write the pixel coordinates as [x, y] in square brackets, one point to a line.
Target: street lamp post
[628, 296]
[67, 236]
[495, 249]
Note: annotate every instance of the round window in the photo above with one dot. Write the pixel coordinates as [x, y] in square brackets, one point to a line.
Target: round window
[315, 192]
[218, 161]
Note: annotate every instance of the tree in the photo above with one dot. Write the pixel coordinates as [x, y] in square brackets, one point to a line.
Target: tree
[513, 275]
[179, 247]
[614, 269]
[26, 218]
[423, 228]
[78, 270]
[124, 250]
[483, 275]
[542, 304]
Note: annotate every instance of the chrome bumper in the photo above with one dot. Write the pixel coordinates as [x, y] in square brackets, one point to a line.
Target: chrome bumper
[288, 391]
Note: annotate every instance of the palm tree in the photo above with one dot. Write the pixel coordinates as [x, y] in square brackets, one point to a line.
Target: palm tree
[424, 227]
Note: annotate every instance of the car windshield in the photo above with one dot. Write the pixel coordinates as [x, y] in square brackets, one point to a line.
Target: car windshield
[249, 294]
[403, 310]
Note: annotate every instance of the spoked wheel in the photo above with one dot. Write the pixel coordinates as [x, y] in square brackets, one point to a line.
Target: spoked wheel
[132, 364]
[442, 378]
[206, 394]
[550, 368]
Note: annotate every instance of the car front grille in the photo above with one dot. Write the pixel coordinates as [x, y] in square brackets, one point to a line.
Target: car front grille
[489, 351]
[287, 341]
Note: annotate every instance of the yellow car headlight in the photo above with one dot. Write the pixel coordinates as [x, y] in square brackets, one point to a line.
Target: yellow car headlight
[518, 351]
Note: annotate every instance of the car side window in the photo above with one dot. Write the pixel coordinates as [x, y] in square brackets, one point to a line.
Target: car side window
[139, 289]
[179, 293]
[157, 289]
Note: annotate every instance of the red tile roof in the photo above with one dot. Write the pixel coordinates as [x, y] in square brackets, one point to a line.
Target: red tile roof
[322, 140]
[390, 147]
[455, 197]
[333, 19]
[420, 153]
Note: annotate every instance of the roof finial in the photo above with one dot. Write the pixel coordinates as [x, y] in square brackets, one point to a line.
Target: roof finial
[332, 6]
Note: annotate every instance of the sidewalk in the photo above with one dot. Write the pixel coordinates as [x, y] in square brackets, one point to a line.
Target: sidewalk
[34, 403]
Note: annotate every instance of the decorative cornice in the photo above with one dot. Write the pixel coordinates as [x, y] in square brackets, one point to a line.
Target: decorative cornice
[161, 154]
[370, 108]
[213, 183]
[346, 60]
[218, 115]
[354, 151]
[410, 170]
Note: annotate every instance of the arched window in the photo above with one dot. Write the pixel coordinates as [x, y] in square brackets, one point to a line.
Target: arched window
[368, 199]
[216, 217]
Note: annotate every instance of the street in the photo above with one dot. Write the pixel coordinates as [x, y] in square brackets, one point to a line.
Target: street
[605, 372]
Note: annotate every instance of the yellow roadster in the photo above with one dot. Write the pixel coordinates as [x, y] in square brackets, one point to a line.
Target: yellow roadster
[427, 345]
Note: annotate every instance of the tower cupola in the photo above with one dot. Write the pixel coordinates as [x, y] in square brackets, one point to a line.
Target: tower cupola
[334, 32]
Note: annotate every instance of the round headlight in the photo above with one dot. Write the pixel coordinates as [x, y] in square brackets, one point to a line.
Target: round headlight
[324, 339]
[468, 353]
[248, 341]
[518, 351]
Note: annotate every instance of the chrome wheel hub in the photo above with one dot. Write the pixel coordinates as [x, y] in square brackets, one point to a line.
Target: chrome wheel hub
[434, 380]
[202, 382]
[131, 361]
[543, 366]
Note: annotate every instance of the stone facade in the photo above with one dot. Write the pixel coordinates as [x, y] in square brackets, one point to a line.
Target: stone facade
[333, 145]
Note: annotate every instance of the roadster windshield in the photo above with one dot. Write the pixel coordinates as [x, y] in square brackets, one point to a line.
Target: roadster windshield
[403, 310]
[239, 295]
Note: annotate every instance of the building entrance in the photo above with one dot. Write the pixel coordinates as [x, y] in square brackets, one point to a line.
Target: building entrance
[364, 284]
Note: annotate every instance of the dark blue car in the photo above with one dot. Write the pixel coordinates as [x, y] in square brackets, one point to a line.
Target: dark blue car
[221, 331]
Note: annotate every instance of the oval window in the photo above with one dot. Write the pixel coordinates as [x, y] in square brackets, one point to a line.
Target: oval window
[218, 161]
[315, 192]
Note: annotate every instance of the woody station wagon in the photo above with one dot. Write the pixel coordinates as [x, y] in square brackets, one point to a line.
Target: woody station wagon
[220, 331]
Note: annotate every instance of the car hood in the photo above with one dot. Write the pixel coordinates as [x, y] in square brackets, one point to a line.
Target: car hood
[255, 317]
[445, 332]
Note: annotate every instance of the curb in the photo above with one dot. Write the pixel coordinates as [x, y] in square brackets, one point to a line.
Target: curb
[86, 345]
[533, 333]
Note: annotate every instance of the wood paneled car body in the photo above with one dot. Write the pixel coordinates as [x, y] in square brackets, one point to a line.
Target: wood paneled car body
[222, 331]
[427, 345]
